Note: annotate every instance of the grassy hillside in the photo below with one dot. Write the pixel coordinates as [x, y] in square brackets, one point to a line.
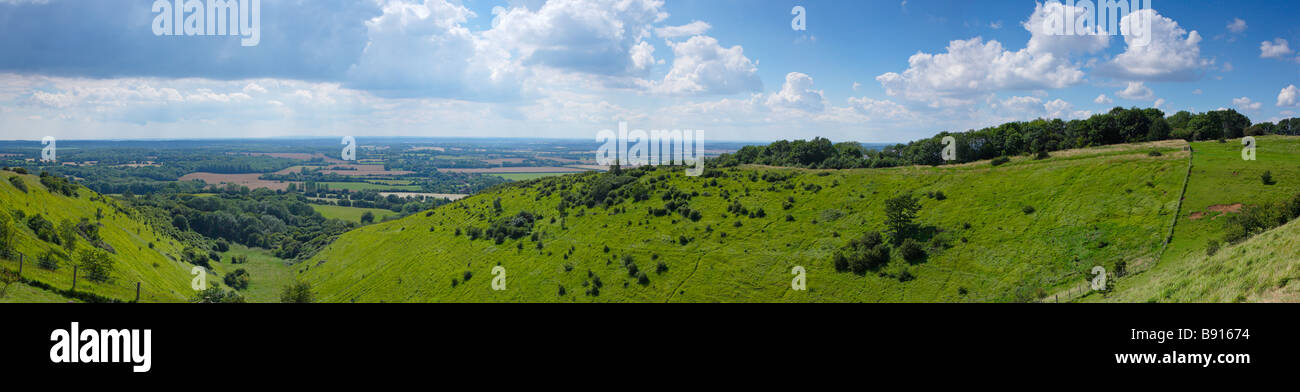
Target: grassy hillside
[163, 278]
[1220, 182]
[1262, 269]
[1007, 233]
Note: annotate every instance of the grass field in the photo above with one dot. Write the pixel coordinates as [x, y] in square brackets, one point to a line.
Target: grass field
[22, 293]
[267, 274]
[365, 186]
[1090, 207]
[163, 278]
[351, 214]
[526, 176]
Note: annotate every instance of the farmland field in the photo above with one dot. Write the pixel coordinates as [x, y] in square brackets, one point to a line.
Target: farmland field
[351, 214]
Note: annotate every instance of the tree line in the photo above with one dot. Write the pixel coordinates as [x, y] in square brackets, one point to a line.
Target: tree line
[1036, 137]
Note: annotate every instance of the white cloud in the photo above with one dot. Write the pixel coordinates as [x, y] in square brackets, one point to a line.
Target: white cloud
[1058, 108]
[1159, 102]
[1103, 99]
[1136, 91]
[1276, 49]
[1023, 106]
[424, 49]
[1197, 92]
[1237, 26]
[1289, 96]
[1172, 54]
[797, 93]
[588, 36]
[686, 30]
[880, 109]
[253, 87]
[1244, 103]
[974, 67]
[701, 67]
[1043, 40]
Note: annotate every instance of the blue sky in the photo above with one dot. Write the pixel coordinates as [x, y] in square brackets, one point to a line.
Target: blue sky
[872, 71]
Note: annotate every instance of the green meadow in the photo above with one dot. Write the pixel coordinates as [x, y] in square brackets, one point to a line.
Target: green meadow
[351, 214]
[998, 233]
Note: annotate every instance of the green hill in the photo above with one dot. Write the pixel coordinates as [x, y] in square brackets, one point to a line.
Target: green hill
[1012, 232]
[138, 253]
[1222, 185]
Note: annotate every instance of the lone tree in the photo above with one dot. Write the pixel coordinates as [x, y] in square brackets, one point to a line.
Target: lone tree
[900, 212]
[367, 218]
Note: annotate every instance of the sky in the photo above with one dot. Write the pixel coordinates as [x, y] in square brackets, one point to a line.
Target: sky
[739, 70]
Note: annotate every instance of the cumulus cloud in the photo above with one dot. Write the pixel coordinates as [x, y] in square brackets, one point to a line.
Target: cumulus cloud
[1289, 96]
[424, 49]
[1043, 39]
[1170, 53]
[589, 36]
[1244, 103]
[1275, 49]
[1058, 108]
[701, 67]
[1102, 99]
[974, 67]
[797, 93]
[686, 30]
[1136, 91]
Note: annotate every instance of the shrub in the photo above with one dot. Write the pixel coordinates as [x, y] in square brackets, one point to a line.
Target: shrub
[642, 279]
[862, 254]
[18, 183]
[367, 218]
[999, 161]
[1028, 210]
[911, 251]
[661, 268]
[1267, 178]
[237, 280]
[50, 260]
[215, 295]
[1212, 248]
[1154, 153]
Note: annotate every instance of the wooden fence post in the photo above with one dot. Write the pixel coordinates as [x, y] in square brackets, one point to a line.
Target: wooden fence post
[137, 292]
[74, 278]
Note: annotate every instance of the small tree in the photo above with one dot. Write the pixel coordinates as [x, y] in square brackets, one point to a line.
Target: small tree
[367, 218]
[7, 235]
[298, 293]
[900, 212]
[1267, 177]
[68, 233]
[96, 264]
